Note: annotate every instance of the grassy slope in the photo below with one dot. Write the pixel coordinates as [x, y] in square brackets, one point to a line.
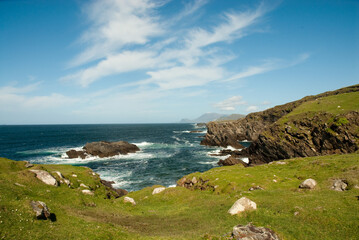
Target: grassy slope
[179, 213]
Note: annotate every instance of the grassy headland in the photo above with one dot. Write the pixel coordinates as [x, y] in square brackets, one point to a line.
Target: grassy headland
[181, 213]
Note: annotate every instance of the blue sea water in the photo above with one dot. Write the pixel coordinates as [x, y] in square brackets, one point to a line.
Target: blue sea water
[168, 151]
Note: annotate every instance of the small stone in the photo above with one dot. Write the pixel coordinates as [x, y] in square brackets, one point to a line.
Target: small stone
[256, 188]
[45, 177]
[74, 175]
[87, 192]
[194, 180]
[83, 185]
[339, 185]
[129, 200]
[274, 180]
[242, 205]
[59, 174]
[18, 184]
[41, 210]
[67, 182]
[296, 213]
[158, 190]
[250, 232]
[280, 163]
[308, 184]
[28, 165]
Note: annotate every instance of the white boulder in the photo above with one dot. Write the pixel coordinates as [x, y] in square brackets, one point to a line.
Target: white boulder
[158, 190]
[129, 200]
[242, 205]
[308, 184]
[45, 177]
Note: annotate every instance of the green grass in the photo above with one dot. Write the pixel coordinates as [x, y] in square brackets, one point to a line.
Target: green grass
[336, 104]
[180, 213]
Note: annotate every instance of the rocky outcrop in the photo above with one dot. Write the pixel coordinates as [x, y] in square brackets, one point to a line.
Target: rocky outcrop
[339, 185]
[104, 149]
[241, 205]
[111, 191]
[231, 161]
[249, 128]
[250, 232]
[45, 177]
[195, 184]
[306, 136]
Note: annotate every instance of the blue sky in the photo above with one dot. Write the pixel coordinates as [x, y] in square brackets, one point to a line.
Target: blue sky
[143, 61]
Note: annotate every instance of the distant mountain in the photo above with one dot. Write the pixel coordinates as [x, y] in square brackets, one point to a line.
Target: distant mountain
[208, 117]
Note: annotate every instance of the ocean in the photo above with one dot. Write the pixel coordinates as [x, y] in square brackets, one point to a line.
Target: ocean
[168, 151]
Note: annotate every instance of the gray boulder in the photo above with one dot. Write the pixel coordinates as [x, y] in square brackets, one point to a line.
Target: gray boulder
[339, 185]
[45, 177]
[250, 232]
[41, 210]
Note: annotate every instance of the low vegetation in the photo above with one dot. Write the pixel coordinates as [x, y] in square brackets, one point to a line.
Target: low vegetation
[181, 213]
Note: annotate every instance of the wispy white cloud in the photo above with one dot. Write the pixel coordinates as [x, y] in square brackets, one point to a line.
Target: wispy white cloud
[190, 8]
[177, 62]
[230, 104]
[252, 108]
[115, 24]
[268, 65]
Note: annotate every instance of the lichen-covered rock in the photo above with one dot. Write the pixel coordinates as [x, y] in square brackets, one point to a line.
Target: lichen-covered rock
[339, 185]
[250, 232]
[308, 184]
[111, 191]
[109, 149]
[158, 190]
[45, 177]
[76, 154]
[129, 200]
[41, 210]
[28, 165]
[242, 205]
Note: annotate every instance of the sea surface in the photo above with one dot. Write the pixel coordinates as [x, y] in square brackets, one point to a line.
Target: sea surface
[168, 151]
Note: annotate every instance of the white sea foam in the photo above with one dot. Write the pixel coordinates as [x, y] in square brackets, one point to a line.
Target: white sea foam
[186, 131]
[144, 144]
[213, 163]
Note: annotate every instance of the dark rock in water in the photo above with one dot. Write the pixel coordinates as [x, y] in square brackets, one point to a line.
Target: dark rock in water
[113, 192]
[250, 232]
[231, 161]
[76, 154]
[109, 149]
[41, 210]
[103, 149]
[195, 131]
[201, 125]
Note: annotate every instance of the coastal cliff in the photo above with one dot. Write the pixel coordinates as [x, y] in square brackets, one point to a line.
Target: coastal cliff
[307, 127]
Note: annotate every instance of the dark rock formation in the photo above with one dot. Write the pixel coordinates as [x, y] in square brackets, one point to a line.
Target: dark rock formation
[250, 232]
[249, 128]
[194, 183]
[304, 135]
[113, 192]
[104, 149]
[321, 134]
[76, 154]
[231, 161]
[109, 149]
